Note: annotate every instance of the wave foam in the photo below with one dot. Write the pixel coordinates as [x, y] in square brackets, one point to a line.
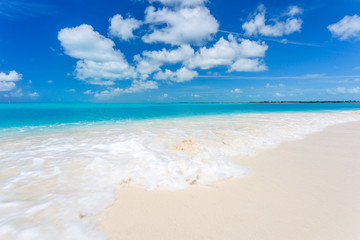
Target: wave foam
[52, 184]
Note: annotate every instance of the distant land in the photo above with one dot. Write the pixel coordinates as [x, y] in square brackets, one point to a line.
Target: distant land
[350, 101]
[307, 102]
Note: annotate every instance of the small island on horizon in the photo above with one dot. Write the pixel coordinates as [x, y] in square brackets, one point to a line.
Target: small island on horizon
[350, 101]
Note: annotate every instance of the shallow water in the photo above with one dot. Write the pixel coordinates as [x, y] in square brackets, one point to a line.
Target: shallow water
[54, 180]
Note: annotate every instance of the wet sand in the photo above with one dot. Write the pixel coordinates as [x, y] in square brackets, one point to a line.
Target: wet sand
[304, 189]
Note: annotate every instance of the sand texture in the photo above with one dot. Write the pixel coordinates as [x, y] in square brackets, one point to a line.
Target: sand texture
[305, 189]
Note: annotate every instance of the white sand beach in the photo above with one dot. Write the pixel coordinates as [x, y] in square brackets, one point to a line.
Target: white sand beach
[304, 189]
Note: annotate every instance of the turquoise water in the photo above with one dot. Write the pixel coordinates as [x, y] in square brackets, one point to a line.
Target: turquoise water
[61, 162]
[20, 115]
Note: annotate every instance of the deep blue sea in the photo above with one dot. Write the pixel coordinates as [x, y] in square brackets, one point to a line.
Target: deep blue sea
[19, 115]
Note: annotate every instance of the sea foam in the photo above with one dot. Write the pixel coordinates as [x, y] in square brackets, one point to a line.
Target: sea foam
[53, 182]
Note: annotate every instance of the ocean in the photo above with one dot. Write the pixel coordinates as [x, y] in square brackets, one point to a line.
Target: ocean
[61, 163]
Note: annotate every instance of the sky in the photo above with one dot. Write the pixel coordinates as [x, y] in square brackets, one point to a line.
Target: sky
[75, 51]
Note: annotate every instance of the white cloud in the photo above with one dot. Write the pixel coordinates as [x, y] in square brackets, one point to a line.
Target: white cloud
[153, 60]
[112, 92]
[70, 90]
[165, 95]
[195, 95]
[181, 75]
[225, 52]
[180, 54]
[268, 85]
[89, 92]
[179, 23]
[279, 94]
[293, 11]
[50, 81]
[137, 86]
[248, 65]
[258, 26]
[330, 91]
[7, 81]
[183, 3]
[34, 94]
[17, 93]
[343, 90]
[346, 28]
[354, 90]
[99, 62]
[236, 90]
[7, 86]
[103, 73]
[83, 42]
[12, 76]
[123, 28]
[180, 26]
[146, 66]
[140, 86]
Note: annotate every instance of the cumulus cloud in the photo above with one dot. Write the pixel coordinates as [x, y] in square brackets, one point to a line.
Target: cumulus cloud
[230, 53]
[34, 94]
[354, 90]
[12, 76]
[17, 93]
[180, 54]
[145, 67]
[343, 90]
[293, 11]
[104, 73]
[136, 87]
[180, 23]
[7, 80]
[109, 93]
[123, 28]
[99, 62]
[139, 86]
[257, 25]
[7, 86]
[236, 90]
[181, 75]
[346, 28]
[151, 61]
[180, 26]
[89, 92]
[248, 65]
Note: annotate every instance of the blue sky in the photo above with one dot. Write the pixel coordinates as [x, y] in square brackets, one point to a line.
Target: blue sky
[178, 51]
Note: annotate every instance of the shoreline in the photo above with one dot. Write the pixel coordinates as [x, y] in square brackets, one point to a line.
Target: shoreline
[302, 189]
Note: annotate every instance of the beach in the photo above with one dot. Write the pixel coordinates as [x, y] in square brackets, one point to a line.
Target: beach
[203, 171]
[300, 189]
